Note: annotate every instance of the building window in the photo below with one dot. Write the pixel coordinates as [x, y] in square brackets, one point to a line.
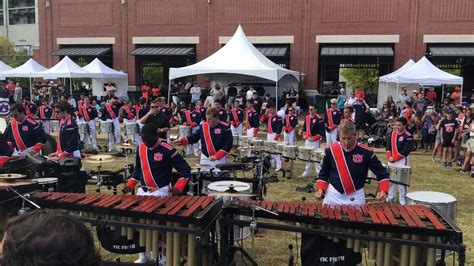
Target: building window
[21, 12]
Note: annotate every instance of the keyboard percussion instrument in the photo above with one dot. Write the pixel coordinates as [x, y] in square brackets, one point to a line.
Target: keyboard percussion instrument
[182, 224]
[393, 234]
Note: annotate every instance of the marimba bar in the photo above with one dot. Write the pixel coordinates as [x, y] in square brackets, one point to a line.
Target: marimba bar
[179, 223]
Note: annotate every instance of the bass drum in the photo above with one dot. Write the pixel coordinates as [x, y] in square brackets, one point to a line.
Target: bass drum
[50, 145]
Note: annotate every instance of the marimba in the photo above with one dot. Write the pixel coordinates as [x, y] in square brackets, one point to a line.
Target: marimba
[393, 234]
[180, 223]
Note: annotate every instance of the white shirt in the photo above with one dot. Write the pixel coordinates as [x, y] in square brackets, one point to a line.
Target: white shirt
[195, 92]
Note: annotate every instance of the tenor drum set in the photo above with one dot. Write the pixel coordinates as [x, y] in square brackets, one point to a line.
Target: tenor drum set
[106, 126]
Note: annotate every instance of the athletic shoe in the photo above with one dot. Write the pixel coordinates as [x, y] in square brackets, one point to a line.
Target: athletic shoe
[450, 164]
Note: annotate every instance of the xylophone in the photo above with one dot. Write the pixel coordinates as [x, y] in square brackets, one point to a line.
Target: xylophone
[159, 220]
[393, 234]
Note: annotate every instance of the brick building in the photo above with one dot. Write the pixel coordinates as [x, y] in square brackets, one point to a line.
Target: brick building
[316, 37]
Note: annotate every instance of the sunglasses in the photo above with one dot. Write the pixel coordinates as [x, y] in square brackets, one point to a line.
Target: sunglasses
[154, 107]
[311, 109]
[290, 110]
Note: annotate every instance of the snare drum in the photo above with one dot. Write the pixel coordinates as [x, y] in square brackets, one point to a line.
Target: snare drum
[48, 184]
[235, 140]
[131, 128]
[256, 142]
[446, 203]
[244, 141]
[54, 125]
[289, 151]
[399, 174]
[270, 145]
[106, 126]
[304, 153]
[215, 188]
[83, 127]
[317, 155]
[184, 131]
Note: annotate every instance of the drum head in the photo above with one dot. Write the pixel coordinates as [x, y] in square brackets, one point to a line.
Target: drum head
[47, 180]
[222, 186]
[400, 166]
[431, 197]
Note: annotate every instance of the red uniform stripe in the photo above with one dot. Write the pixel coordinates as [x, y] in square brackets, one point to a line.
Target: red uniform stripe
[308, 126]
[79, 104]
[16, 135]
[146, 169]
[188, 117]
[236, 117]
[269, 124]
[129, 113]
[395, 153]
[330, 121]
[85, 113]
[109, 109]
[343, 170]
[27, 109]
[288, 124]
[207, 138]
[42, 115]
[247, 123]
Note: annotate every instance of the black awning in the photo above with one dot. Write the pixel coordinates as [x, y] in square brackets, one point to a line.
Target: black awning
[452, 51]
[273, 50]
[163, 51]
[82, 51]
[357, 51]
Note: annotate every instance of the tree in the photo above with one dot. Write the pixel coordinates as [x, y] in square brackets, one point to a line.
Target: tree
[364, 78]
[6, 47]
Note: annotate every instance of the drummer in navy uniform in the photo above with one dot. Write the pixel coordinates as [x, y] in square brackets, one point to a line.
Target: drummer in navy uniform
[341, 182]
[236, 117]
[89, 114]
[332, 119]
[201, 109]
[191, 118]
[399, 147]
[216, 140]
[274, 127]
[110, 111]
[313, 130]
[222, 112]
[290, 126]
[23, 133]
[5, 151]
[30, 107]
[129, 115]
[155, 159]
[251, 120]
[68, 135]
[45, 113]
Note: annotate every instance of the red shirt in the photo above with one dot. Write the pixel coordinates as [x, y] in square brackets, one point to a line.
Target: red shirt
[431, 95]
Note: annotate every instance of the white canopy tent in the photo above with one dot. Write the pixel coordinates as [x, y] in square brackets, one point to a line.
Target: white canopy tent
[4, 67]
[389, 89]
[29, 69]
[424, 73]
[66, 68]
[107, 74]
[235, 60]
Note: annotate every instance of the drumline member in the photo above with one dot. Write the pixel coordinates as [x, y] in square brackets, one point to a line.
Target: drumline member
[143, 109]
[129, 115]
[215, 137]
[166, 110]
[155, 160]
[68, 135]
[201, 109]
[449, 133]
[111, 112]
[332, 118]
[274, 127]
[5, 151]
[89, 114]
[398, 148]
[347, 114]
[342, 178]
[80, 103]
[45, 113]
[23, 133]
[290, 127]
[251, 120]
[154, 116]
[222, 112]
[191, 118]
[313, 129]
[30, 107]
[236, 117]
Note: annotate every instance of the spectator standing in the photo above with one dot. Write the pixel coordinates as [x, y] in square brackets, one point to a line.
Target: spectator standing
[456, 95]
[195, 93]
[341, 99]
[431, 95]
[18, 93]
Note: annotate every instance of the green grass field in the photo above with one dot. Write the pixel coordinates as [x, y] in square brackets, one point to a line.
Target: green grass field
[271, 247]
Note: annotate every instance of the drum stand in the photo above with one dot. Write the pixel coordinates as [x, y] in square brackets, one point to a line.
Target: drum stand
[24, 197]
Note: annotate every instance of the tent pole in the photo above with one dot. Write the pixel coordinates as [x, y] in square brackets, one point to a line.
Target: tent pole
[442, 93]
[276, 96]
[31, 90]
[461, 94]
[169, 91]
[398, 96]
[70, 86]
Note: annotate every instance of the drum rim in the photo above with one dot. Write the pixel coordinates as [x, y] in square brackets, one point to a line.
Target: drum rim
[438, 196]
[44, 180]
